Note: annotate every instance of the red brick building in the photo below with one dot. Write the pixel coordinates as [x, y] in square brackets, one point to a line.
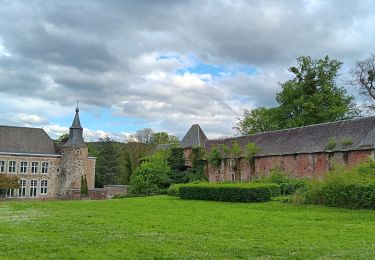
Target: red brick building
[301, 151]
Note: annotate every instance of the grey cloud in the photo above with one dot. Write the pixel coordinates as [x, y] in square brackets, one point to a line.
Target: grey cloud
[94, 51]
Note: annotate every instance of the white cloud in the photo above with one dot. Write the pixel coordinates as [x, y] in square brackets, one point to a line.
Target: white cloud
[107, 57]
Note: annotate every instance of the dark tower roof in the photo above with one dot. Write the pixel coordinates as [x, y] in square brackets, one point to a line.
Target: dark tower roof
[76, 122]
[76, 132]
[195, 137]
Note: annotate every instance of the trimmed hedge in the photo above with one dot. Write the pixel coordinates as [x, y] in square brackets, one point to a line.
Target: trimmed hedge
[241, 192]
[174, 190]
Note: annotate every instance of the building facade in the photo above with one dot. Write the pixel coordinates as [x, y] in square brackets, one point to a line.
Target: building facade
[45, 169]
[308, 151]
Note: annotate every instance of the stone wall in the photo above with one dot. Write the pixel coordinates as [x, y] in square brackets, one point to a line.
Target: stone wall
[73, 166]
[299, 165]
[51, 176]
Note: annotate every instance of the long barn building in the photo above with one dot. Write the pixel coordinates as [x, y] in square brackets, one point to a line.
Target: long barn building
[307, 151]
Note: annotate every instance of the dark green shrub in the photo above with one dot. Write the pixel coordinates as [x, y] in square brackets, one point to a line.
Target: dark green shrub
[152, 176]
[366, 169]
[244, 192]
[344, 188]
[173, 190]
[288, 185]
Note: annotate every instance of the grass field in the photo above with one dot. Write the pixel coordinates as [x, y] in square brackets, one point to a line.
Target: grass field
[169, 228]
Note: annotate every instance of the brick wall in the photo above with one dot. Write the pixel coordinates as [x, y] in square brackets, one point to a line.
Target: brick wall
[299, 165]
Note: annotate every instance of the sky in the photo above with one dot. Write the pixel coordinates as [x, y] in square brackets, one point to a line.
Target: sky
[164, 64]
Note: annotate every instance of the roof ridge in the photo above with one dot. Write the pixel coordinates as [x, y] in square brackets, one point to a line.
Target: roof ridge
[28, 127]
[298, 127]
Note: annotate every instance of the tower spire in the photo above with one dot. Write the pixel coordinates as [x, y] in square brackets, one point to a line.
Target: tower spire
[76, 132]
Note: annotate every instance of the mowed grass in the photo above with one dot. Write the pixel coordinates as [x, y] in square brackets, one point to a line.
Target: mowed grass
[164, 227]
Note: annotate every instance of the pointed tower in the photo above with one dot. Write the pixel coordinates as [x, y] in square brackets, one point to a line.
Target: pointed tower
[73, 159]
[76, 133]
[195, 137]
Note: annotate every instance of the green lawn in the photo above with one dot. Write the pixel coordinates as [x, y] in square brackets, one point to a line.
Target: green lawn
[169, 228]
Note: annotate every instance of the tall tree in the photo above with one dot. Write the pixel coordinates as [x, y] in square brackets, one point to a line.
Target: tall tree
[163, 138]
[107, 163]
[257, 120]
[311, 97]
[363, 77]
[144, 135]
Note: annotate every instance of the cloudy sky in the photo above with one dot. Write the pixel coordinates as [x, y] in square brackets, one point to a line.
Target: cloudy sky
[163, 64]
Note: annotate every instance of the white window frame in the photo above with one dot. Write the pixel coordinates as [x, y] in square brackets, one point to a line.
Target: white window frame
[23, 167]
[12, 166]
[10, 193]
[43, 187]
[22, 189]
[2, 166]
[33, 188]
[34, 167]
[44, 167]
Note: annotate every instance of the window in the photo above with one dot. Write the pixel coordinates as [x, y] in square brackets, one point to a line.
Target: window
[43, 187]
[44, 167]
[34, 167]
[233, 176]
[23, 167]
[78, 152]
[22, 189]
[10, 193]
[33, 185]
[2, 166]
[12, 166]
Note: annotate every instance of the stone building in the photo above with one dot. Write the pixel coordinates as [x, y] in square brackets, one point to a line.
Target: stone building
[44, 169]
[302, 151]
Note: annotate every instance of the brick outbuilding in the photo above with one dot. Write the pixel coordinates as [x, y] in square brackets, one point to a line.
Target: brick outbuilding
[301, 151]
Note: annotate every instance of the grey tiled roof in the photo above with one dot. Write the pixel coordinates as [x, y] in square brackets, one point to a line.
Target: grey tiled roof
[309, 139]
[194, 137]
[25, 140]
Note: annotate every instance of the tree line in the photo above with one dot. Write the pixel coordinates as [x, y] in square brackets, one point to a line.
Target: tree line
[117, 161]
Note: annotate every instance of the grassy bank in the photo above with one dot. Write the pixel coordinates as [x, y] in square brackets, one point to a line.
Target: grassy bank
[167, 227]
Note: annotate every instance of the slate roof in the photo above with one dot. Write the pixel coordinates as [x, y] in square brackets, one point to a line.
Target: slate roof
[309, 139]
[15, 139]
[195, 137]
[76, 133]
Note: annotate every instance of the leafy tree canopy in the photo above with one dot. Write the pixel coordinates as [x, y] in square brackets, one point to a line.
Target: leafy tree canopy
[311, 97]
[163, 138]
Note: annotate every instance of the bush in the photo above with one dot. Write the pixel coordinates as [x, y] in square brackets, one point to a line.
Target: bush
[173, 190]
[288, 185]
[244, 192]
[345, 188]
[152, 176]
